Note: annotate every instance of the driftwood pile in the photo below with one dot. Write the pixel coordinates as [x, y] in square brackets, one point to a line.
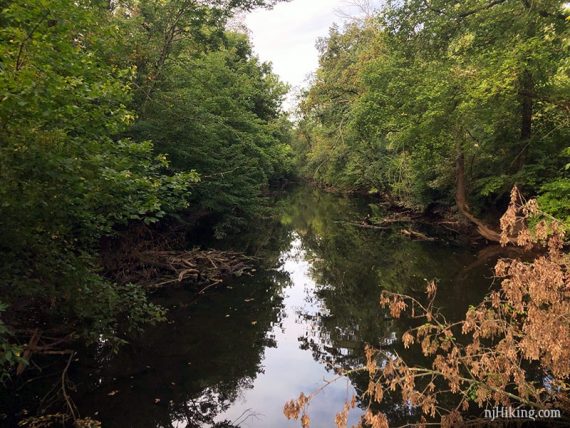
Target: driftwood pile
[397, 220]
[155, 258]
[206, 268]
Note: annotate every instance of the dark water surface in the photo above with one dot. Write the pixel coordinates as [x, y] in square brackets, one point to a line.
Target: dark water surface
[233, 357]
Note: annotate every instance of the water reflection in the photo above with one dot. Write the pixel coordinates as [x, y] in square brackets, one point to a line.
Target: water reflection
[190, 370]
[288, 368]
[234, 357]
[350, 266]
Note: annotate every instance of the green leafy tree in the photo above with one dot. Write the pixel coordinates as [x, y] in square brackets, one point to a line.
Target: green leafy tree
[219, 113]
[65, 180]
[82, 86]
[450, 102]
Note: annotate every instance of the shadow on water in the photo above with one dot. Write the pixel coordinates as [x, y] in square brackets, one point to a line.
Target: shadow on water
[237, 354]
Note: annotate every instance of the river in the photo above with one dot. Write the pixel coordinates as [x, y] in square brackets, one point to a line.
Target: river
[237, 354]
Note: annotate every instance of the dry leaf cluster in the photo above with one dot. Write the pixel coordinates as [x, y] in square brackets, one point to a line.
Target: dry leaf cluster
[512, 349]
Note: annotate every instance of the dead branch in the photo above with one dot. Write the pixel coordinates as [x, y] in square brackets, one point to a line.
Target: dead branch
[416, 235]
[68, 401]
[28, 352]
[155, 269]
[364, 225]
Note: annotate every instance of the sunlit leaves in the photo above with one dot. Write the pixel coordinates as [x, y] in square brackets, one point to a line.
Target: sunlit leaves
[426, 79]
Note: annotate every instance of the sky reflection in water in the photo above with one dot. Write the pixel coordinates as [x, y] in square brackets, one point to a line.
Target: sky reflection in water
[240, 352]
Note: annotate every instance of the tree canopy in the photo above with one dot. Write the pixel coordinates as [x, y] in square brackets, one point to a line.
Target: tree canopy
[422, 94]
[112, 113]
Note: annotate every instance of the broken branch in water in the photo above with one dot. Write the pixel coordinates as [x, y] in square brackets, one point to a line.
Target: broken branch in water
[155, 269]
[416, 235]
[364, 225]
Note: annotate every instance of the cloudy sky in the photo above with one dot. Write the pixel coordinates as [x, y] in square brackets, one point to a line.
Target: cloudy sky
[286, 35]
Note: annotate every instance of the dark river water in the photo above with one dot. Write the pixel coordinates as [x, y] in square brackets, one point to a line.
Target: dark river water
[237, 354]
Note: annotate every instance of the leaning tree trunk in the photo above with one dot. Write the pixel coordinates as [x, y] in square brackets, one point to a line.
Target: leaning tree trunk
[461, 201]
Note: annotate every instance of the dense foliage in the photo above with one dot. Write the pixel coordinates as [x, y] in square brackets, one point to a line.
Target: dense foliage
[423, 93]
[84, 88]
[237, 135]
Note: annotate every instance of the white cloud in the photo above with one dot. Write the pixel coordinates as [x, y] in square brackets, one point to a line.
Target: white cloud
[286, 35]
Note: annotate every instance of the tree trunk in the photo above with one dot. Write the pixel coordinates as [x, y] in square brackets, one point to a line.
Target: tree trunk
[461, 201]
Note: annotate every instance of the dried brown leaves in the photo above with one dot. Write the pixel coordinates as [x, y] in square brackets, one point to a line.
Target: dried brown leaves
[522, 328]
